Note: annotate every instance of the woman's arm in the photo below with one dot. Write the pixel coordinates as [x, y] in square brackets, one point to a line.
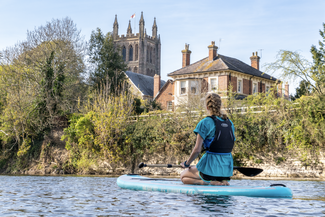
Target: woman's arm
[195, 152]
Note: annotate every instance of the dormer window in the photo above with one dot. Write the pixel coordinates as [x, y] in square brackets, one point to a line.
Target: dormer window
[183, 87]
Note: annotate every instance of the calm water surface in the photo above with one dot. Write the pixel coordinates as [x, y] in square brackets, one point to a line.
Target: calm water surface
[100, 196]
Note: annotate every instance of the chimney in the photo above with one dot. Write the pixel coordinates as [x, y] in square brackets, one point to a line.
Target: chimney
[280, 89]
[212, 51]
[255, 61]
[186, 56]
[286, 91]
[156, 85]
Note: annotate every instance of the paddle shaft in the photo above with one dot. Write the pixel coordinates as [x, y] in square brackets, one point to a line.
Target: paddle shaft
[161, 165]
[244, 170]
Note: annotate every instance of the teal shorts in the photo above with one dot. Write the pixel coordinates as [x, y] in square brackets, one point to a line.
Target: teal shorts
[208, 178]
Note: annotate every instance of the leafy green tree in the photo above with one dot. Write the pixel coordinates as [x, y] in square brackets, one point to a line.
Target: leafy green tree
[318, 68]
[41, 79]
[106, 62]
[304, 89]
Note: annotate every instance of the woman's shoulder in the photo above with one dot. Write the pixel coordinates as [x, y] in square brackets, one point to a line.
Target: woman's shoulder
[206, 121]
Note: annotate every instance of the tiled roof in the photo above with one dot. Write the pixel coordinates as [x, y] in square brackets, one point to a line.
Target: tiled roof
[143, 82]
[220, 63]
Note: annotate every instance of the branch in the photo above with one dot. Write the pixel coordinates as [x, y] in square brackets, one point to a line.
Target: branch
[4, 132]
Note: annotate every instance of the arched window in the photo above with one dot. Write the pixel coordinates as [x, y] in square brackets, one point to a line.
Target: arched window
[124, 53]
[129, 69]
[136, 52]
[154, 56]
[131, 53]
[148, 72]
[136, 69]
[150, 55]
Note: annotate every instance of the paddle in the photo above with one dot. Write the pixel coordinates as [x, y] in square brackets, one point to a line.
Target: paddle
[247, 171]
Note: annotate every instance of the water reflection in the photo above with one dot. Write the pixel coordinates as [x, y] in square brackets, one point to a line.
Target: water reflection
[213, 204]
[100, 196]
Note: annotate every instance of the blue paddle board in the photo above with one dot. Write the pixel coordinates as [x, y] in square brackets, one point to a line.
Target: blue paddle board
[141, 183]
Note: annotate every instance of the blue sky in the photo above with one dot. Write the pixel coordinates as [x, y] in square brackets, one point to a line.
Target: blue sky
[243, 26]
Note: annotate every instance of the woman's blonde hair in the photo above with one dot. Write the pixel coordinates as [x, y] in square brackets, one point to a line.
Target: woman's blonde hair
[213, 104]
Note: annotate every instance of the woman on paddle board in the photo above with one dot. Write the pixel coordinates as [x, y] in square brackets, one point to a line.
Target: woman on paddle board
[216, 133]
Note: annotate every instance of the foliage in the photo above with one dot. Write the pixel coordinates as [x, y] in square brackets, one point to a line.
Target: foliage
[294, 66]
[304, 89]
[272, 127]
[105, 60]
[318, 68]
[40, 80]
[97, 132]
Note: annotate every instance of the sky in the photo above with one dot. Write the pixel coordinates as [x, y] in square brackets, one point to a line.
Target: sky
[238, 27]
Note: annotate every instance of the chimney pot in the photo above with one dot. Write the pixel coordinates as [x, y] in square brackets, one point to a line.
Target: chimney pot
[156, 85]
[186, 56]
[212, 51]
[255, 61]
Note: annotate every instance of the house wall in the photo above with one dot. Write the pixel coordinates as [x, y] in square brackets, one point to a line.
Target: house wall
[234, 83]
[223, 81]
[246, 86]
[166, 95]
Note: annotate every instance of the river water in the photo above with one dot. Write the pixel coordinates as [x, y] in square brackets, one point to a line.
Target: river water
[100, 196]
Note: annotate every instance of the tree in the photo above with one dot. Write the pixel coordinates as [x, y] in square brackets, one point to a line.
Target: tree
[304, 89]
[41, 79]
[318, 68]
[294, 66]
[106, 62]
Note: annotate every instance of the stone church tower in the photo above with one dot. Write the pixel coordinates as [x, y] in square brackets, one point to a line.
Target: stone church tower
[140, 51]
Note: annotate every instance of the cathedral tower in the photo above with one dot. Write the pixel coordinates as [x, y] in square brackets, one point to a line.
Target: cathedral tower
[141, 52]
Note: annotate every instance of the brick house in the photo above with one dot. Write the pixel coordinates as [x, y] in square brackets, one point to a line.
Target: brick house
[215, 73]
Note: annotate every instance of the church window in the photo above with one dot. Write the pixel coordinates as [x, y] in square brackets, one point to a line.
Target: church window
[150, 55]
[131, 53]
[124, 53]
[148, 71]
[136, 52]
[136, 69]
[154, 56]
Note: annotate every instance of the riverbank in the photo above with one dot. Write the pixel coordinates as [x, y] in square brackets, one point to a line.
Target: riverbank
[54, 157]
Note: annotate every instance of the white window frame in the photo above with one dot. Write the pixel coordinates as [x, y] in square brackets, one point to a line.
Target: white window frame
[180, 88]
[242, 85]
[267, 89]
[210, 84]
[196, 86]
[256, 91]
[169, 105]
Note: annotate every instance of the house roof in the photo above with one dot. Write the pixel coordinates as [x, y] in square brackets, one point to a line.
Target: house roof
[143, 82]
[219, 63]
